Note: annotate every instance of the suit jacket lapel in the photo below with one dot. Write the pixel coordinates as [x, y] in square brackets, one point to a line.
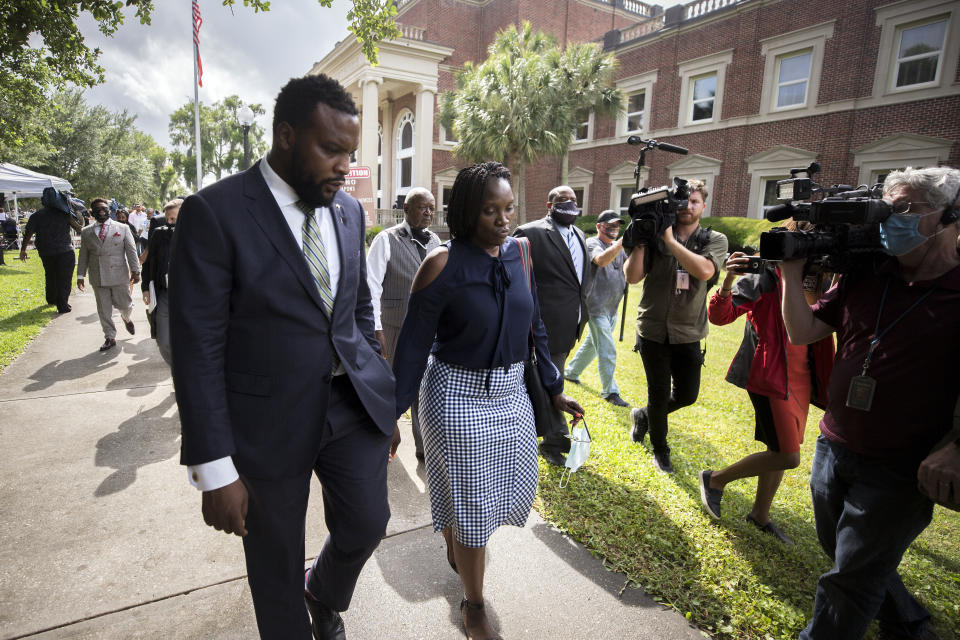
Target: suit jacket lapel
[554, 234]
[339, 227]
[264, 210]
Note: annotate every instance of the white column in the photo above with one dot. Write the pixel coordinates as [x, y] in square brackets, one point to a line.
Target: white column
[423, 143]
[389, 160]
[369, 120]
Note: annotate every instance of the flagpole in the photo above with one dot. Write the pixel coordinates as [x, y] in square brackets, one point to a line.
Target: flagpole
[196, 98]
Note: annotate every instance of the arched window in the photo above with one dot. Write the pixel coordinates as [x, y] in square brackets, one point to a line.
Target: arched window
[405, 153]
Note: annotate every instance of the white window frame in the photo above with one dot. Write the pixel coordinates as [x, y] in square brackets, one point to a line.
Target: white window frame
[643, 113]
[589, 123]
[444, 180]
[621, 176]
[444, 140]
[772, 163]
[580, 178]
[712, 99]
[898, 37]
[907, 13]
[776, 48]
[695, 69]
[698, 167]
[643, 82]
[805, 80]
[403, 118]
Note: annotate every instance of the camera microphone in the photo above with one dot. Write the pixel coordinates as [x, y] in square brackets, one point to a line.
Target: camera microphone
[635, 140]
[779, 212]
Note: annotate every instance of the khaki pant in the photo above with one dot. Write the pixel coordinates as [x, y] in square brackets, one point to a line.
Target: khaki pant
[107, 299]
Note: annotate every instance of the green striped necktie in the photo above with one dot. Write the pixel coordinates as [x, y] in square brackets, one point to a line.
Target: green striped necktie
[316, 256]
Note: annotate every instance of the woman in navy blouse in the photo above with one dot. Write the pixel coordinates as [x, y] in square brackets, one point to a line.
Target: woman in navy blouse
[462, 346]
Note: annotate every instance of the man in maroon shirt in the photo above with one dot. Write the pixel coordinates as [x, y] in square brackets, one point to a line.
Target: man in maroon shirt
[891, 400]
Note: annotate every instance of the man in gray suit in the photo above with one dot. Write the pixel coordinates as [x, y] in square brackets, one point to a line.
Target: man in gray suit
[108, 248]
[394, 257]
[559, 255]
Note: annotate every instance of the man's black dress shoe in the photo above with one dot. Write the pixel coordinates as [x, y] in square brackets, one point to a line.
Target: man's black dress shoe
[129, 325]
[108, 344]
[553, 457]
[327, 623]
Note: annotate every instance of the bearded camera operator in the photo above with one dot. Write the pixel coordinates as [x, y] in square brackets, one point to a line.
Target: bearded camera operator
[885, 447]
[678, 268]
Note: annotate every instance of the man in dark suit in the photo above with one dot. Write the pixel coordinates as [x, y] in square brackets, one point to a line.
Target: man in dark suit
[559, 255]
[276, 366]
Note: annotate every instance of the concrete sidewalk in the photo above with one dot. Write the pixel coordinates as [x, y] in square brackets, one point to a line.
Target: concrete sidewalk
[103, 538]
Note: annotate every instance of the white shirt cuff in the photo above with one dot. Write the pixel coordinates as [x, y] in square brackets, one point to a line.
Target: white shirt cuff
[212, 475]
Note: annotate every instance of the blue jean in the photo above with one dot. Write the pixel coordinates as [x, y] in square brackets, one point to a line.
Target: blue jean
[598, 344]
[867, 513]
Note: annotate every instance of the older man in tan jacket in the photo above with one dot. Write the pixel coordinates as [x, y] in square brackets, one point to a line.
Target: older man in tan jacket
[109, 249]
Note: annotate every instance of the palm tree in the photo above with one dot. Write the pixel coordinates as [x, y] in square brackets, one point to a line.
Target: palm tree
[522, 102]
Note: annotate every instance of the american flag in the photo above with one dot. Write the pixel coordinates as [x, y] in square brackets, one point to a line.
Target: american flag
[197, 21]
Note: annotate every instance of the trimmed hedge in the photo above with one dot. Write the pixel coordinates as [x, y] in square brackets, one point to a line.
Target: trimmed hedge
[372, 233]
[740, 232]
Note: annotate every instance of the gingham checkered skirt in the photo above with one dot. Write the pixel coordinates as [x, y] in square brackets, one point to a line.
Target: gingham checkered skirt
[480, 448]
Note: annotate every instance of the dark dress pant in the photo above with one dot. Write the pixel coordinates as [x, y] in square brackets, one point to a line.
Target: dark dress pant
[556, 438]
[351, 465]
[664, 364]
[58, 275]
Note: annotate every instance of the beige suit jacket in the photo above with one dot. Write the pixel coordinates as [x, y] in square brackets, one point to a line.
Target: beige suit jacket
[112, 261]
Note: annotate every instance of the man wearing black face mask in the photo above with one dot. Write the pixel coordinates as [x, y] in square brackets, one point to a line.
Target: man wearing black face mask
[563, 278]
[606, 265]
[154, 283]
[108, 248]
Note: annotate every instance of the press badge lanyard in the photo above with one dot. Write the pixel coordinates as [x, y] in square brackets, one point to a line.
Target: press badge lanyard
[862, 387]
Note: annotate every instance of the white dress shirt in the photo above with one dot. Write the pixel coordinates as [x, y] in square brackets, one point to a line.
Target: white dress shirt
[219, 473]
[138, 220]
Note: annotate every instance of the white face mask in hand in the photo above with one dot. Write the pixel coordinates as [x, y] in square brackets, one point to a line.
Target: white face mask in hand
[579, 452]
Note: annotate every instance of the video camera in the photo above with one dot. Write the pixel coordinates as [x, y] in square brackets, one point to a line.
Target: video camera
[846, 223]
[653, 210]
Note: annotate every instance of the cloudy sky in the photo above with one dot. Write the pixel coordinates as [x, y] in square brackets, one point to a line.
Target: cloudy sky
[149, 69]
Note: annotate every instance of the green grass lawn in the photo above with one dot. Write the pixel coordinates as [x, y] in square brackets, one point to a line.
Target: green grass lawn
[23, 306]
[726, 577]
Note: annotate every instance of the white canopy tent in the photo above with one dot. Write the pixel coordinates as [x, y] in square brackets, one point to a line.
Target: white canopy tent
[17, 182]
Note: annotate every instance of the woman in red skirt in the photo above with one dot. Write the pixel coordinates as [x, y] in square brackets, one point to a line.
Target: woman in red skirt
[781, 378]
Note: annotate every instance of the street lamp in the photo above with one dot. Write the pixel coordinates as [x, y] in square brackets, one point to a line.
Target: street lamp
[245, 117]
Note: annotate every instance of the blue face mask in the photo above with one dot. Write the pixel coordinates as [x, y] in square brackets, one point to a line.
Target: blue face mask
[900, 234]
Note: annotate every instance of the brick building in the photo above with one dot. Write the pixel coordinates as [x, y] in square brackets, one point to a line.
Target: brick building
[751, 87]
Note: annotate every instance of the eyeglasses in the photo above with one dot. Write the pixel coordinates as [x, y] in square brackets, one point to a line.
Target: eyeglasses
[423, 208]
[904, 206]
[101, 210]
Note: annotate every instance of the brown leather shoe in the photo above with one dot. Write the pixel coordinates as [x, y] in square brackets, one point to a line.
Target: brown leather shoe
[108, 344]
[129, 325]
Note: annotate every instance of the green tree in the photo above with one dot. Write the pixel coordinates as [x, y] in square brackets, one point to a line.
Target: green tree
[166, 177]
[61, 57]
[524, 100]
[100, 152]
[221, 138]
